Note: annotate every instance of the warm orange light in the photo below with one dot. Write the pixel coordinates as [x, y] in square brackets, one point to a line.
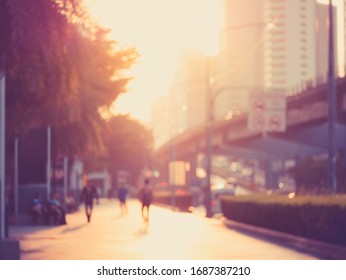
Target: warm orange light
[159, 30]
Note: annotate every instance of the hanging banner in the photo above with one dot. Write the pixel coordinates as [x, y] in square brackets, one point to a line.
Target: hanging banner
[177, 173]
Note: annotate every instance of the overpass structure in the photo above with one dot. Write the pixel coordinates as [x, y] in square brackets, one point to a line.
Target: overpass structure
[306, 135]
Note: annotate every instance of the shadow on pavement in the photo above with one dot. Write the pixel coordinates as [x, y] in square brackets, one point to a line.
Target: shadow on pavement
[17, 230]
[71, 229]
[143, 230]
[315, 248]
[31, 251]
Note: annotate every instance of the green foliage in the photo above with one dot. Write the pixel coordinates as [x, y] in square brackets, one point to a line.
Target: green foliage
[317, 217]
[127, 145]
[60, 70]
[39, 75]
[311, 176]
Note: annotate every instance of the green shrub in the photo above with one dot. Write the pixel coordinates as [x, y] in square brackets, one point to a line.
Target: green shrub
[317, 217]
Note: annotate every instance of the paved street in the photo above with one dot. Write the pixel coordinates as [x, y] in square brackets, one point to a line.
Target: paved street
[168, 235]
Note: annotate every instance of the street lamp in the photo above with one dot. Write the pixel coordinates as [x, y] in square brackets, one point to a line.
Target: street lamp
[331, 107]
[2, 155]
[211, 96]
[209, 132]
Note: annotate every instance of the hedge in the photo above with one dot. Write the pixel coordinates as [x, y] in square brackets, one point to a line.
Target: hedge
[183, 202]
[321, 218]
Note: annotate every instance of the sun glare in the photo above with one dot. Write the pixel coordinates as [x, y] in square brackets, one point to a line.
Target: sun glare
[160, 30]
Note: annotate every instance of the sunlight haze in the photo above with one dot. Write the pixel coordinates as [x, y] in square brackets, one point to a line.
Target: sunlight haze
[159, 29]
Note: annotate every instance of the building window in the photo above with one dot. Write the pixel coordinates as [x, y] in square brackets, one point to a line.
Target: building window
[279, 65]
[282, 73]
[278, 57]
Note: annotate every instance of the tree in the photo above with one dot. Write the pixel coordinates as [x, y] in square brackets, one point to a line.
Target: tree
[34, 36]
[60, 70]
[311, 175]
[128, 145]
[100, 82]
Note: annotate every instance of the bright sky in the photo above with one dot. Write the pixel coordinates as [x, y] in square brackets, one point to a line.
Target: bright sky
[160, 29]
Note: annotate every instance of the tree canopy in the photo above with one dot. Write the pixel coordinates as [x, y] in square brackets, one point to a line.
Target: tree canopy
[128, 146]
[60, 70]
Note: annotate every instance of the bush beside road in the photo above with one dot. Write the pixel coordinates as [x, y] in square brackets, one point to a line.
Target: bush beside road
[321, 218]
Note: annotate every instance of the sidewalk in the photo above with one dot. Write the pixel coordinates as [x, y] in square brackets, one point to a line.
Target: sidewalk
[317, 248]
[168, 235]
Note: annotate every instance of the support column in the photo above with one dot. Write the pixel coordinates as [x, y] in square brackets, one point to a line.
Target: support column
[2, 156]
[269, 175]
[192, 179]
[9, 249]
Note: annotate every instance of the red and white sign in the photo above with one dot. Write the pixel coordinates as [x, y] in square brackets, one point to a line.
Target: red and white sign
[267, 112]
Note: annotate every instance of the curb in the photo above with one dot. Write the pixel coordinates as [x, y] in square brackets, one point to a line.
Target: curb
[9, 249]
[319, 249]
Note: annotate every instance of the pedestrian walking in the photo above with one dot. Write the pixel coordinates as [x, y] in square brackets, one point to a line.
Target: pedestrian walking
[88, 196]
[122, 194]
[146, 197]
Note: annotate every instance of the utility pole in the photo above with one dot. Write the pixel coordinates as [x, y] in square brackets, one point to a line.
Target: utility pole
[209, 152]
[331, 106]
[2, 154]
[49, 160]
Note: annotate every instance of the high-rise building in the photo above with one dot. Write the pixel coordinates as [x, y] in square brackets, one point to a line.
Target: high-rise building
[240, 63]
[264, 45]
[322, 42]
[184, 106]
[161, 121]
[275, 44]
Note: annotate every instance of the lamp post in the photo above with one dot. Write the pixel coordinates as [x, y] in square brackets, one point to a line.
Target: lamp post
[2, 155]
[210, 99]
[209, 133]
[211, 96]
[331, 107]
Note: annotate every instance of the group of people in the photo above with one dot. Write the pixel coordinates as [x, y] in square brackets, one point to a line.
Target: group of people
[53, 207]
[145, 196]
[48, 208]
[89, 194]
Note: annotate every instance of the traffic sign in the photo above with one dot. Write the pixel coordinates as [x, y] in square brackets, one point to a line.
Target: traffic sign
[267, 111]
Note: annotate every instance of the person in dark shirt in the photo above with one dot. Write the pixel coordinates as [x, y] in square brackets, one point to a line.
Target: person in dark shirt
[146, 197]
[88, 195]
[122, 194]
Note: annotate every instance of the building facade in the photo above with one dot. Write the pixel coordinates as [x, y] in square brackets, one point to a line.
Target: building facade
[277, 44]
[265, 45]
[184, 106]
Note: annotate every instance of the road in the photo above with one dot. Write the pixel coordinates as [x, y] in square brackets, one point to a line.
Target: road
[167, 236]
